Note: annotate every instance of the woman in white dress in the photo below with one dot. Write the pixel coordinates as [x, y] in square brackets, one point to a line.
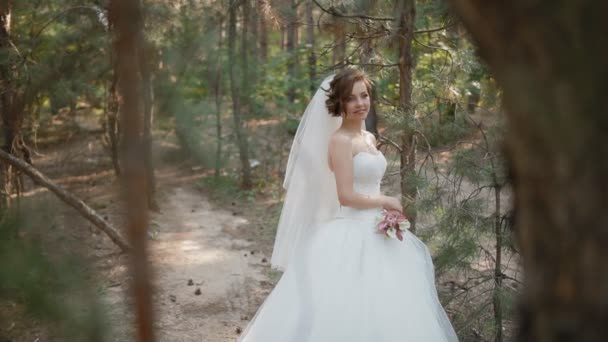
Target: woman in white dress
[343, 282]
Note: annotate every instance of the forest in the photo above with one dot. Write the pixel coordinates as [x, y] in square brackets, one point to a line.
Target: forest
[145, 143]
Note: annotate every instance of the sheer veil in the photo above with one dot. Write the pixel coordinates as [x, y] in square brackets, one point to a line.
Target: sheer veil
[310, 185]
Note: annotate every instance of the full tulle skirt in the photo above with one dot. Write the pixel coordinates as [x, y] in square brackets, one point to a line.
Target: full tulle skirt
[349, 283]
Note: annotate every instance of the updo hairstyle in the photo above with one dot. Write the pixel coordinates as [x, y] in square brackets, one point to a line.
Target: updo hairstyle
[341, 87]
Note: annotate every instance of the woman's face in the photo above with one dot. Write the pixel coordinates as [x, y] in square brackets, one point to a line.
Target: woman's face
[358, 103]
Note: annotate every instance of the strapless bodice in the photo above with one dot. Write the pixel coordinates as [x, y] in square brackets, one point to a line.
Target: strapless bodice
[368, 170]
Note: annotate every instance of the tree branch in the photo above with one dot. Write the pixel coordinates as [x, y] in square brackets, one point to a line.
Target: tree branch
[331, 10]
[87, 212]
[435, 29]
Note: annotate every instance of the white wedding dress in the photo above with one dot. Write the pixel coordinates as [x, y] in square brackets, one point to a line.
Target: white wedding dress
[347, 283]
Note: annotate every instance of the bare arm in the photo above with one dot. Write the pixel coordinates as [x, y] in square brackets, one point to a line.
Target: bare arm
[341, 157]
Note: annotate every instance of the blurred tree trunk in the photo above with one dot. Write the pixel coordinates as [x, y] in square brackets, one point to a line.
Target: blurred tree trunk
[406, 14]
[263, 51]
[339, 47]
[112, 128]
[550, 59]
[497, 297]
[283, 37]
[254, 28]
[236, 98]
[292, 62]
[12, 102]
[146, 63]
[217, 92]
[245, 50]
[310, 42]
[371, 122]
[126, 16]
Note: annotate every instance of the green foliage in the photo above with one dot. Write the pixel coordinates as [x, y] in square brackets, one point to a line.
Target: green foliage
[191, 118]
[66, 53]
[440, 134]
[53, 291]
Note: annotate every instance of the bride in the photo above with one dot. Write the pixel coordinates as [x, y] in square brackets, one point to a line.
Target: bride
[342, 281]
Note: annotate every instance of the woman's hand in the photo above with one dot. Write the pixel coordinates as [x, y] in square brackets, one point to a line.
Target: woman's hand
[392, 203]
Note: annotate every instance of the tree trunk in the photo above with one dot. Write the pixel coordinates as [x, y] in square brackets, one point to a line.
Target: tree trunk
[245, 79]
[339, 46]
[371, 122]
[112, 129]
[367, 47]
[6, 70]
[407, 13]
[497, 297]
[12, 102]
[254, 28]
[292, 62]
[145, 63]
[283, 37]
[263, 31]
[217, 90]
[310, 42]
[236, 105]
[550, 60]
[126, 15]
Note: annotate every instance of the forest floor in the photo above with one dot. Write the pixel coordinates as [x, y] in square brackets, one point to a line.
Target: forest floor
[211, 269]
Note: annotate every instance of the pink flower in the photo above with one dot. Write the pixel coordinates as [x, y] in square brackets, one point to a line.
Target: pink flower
[383, 225]
[391, 224]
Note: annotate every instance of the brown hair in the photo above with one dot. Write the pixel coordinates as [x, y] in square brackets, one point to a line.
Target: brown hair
[341, 88]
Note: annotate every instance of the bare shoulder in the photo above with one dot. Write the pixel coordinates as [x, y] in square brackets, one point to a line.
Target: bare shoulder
[340, 141]
[340, 144]
[371, 137]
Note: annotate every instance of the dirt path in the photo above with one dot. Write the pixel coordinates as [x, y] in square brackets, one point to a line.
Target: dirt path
[194, 249]
[193, 241]
[210, 271]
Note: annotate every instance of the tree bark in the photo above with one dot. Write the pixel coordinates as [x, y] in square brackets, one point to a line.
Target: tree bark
[498, 275]
[263, 51]
[126, 15]
[217, 90]
[254, 28]
[292, 62]
[406, 17]
[339, 46]
[371, 121]
[12, 103]
[145, 63]
[236, 105]
[83, 209]
[310, 42]
[550, 60]
[112, 129]
[245, 79]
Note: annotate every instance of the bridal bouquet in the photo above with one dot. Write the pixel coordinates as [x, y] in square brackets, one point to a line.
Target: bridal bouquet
[392, 224]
